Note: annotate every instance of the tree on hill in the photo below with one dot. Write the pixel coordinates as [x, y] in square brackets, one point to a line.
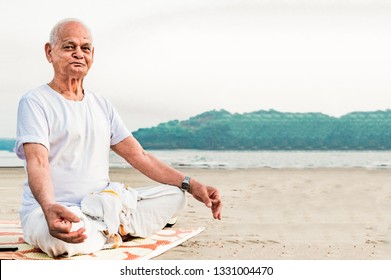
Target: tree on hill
[272, 130]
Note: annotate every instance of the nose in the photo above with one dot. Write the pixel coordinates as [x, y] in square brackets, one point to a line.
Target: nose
[78, 53]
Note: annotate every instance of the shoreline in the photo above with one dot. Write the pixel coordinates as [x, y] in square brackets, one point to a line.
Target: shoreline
[269, 213]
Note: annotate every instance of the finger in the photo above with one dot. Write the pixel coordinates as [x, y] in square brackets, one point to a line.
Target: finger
[70, 216]
[81, 230]
[216, 209]
[215, 195]
[217, 215]
[73, 240]
[72, 237]
[61, 226]
[61, 212]
[79, 235]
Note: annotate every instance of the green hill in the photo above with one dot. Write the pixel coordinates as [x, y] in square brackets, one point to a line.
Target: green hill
[272, 130]
[267, 130]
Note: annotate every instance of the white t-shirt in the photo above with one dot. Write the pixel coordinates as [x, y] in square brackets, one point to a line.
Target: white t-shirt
[77, 135]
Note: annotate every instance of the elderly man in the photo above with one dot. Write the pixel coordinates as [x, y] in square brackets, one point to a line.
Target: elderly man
[64, 134]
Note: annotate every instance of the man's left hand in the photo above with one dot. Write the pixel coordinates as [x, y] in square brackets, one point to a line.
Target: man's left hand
[210, 196]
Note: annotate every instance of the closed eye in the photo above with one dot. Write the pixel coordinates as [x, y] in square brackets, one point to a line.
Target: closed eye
[68, 47]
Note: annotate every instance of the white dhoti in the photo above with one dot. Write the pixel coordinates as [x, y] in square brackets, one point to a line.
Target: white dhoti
[137, 212]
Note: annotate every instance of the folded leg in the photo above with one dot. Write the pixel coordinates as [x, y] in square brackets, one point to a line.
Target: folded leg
[36, 233]
[155, 208]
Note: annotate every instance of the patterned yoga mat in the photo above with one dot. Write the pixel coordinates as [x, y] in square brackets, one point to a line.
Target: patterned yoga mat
[137, 249]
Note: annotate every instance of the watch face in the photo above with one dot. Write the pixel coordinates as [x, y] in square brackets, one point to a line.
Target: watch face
[186, 184]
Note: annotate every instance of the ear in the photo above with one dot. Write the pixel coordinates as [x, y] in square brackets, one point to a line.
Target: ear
[48, 52]
[93, 51]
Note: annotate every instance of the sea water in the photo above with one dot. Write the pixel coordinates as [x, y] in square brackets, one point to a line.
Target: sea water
[271, 159]
[250, 159]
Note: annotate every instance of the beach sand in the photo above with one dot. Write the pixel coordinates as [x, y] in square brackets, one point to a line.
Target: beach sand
[278, 214]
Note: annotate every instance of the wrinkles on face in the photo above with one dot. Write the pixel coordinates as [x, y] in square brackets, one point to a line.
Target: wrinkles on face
[72, 55]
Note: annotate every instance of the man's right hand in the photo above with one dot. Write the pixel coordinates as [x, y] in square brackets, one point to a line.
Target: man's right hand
[59, 220]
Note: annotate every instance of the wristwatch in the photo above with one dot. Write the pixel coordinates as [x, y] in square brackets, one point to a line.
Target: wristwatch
[186, 184]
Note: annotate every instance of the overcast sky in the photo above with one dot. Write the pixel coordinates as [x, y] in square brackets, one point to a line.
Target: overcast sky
[163, 60]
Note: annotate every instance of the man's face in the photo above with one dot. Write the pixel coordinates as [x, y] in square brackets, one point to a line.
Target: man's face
[73, 53]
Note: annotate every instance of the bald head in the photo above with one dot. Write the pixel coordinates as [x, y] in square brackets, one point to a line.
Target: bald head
[54, 34]
[70, 50]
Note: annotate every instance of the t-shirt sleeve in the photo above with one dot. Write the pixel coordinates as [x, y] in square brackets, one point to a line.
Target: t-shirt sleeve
[32, 126]
[118, 130]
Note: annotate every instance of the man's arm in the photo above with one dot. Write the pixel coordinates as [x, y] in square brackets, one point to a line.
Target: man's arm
[131, 150]
[58, 218]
